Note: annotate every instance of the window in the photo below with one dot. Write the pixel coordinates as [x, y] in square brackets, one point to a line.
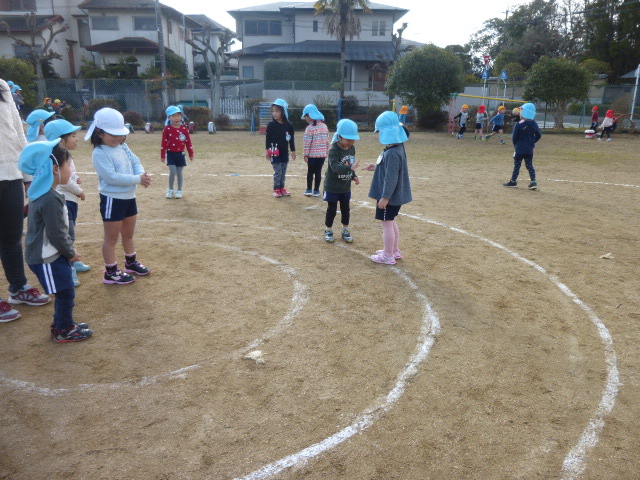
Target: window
[143, 23]
[104, 23]
[18, 5]
[169, 27]
[315, 25]
[247, 72]
[22, 52]
[263, 27]
[378, 29]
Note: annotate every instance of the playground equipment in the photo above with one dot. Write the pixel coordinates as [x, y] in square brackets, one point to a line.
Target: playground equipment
[453, 109]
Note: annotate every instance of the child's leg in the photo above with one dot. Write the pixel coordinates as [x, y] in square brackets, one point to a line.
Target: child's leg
[127, 230]
[310, 173]
[180, 177]
[528, 163]
[396, 240]
[332, 209]
[318, 175]
[63, 312]
[279, 171]
[517, 163]
[172, 175]
[111, 235]
[389, 237]
[284, 173]
[345, 212]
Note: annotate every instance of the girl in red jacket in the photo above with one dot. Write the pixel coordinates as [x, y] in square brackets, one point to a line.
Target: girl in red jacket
[175, 140]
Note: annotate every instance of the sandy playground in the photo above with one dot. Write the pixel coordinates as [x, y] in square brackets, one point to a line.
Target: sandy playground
[502, 346]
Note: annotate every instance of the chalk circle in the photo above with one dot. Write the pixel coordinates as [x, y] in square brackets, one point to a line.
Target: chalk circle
[298, 301]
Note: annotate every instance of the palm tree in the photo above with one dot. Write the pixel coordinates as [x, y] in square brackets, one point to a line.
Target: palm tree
[341, 22]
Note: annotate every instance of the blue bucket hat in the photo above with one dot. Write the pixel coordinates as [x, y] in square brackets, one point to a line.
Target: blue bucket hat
[313, 112]
[172, 110]
[35, 119]
[390, 128]
[57, 128]
[282, 103]
[346, 129]
[529, 111]
[35, 160]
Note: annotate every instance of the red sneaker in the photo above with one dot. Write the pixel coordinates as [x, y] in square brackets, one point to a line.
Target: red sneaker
[285, 192]
[30, 296]
[277, 192]
[7, 314]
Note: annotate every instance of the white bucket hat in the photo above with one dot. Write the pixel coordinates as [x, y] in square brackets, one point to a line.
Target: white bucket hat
[109, 120]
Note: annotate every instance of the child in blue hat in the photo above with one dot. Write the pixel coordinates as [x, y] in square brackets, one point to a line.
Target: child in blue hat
[316, 147]
[390, 185]
[341, 171]
[176, 143]
[36, 121]
[49, 249]
[72, 191]
[278, 141]
[525, 135]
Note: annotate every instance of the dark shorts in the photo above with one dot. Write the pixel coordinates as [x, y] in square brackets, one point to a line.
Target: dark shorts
[116, 209]
[389, 213]
[497, 128]
[478, 126]
[72, 209]
[55, 276]
[179, 159]
[336, 197]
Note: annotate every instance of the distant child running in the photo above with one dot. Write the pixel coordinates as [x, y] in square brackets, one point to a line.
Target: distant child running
[608, 125]
[526, 134]
[71, 190]
[341, 171]
[176, 143]
[515, 115]
[595, 117]
[316, 147]
[119, 173]
[498, 125]
[463, 118]
[403, 114]
[481, 118]
[49, 249]
[279, 140]
[390, 186]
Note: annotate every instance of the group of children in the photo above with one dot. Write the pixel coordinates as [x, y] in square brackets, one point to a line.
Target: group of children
[607, 126]
[481, 118]
[390, 186]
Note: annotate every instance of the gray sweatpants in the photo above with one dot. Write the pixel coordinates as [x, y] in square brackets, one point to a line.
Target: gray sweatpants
[279, 173]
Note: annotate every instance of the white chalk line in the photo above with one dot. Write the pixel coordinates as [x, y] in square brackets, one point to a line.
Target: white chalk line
[298, 301]
[626, 185]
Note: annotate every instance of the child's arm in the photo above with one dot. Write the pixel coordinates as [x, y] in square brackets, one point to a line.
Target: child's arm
[188, 143]
[308, 140]
[55, 227]
[292, 142]
[106, 170]
[164, 144]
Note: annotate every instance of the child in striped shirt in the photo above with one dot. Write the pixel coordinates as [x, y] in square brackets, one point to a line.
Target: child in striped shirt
[316, 147]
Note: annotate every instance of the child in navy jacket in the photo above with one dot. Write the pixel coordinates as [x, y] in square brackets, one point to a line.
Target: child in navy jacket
[526, 134]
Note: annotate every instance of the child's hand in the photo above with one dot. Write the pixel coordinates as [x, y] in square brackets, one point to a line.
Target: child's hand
[82, 196]
[357, 180]
[145, 179]
[354, 166]
[79, 181]
[306, 159]
[370, 167]
[293, 155]
[383, 202]
[191, 159]
[268, 156]
[163, 160]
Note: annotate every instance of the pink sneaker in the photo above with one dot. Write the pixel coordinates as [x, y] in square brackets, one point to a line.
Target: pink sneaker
[397, 254]
[285, 192]
[277, 193]
[30, 296]
[7, 314]
[382, 258]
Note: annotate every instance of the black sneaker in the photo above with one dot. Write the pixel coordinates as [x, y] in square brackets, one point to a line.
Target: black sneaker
[73, 334]
[510, 183]
[533, 185]
[137, 268]
[81, 326]
[118, 277]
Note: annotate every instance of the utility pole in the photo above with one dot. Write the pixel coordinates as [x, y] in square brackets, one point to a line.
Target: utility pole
[163, 64]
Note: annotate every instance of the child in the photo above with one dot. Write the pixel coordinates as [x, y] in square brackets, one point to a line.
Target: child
[279, 139]
[515, 115]
[49, 250]
[17, 98]
[498, 125]
[337, 181]
[316, 147]
[71, 190]
[175, 139]
[390, 186]
[608, 125]
[595, 118]
[36, 121]
[525, 135]
[47, 106]
[463, 117]
[119, 173]
[403, 114]
[481, 117]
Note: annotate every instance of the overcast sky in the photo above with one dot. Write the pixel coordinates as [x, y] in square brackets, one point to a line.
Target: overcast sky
[441, 23]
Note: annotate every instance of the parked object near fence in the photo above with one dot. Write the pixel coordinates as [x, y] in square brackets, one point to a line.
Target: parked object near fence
[148, 127]
[589, 133]
[192, 127]
[211, 127]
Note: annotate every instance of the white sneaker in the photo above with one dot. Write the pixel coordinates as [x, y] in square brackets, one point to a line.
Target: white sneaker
[179, 194]
[599, 139]
[609, 139]
[169, 193]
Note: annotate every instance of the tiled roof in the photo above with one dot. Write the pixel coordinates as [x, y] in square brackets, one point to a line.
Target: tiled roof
[356, 51]
[206, 21]
[126, 45]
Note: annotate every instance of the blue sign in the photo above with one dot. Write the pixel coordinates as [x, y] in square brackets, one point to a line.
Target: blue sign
[485, 74]
[504, 75]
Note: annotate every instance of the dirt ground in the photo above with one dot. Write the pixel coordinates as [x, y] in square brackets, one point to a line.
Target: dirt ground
[501, 346]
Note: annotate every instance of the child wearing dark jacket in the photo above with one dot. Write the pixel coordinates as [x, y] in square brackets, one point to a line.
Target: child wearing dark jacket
[526, 134]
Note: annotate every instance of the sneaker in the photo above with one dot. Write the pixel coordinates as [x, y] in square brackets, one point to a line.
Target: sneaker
[179, 194]
[316, 193]
[486, 138]
[74, 277]
[137, 268]
[308, 192]
[510, 183]
[81, 267]
[30, 296]
[118, 277]
[609, 139]
[600, 139]
[277, 193]
[169, 193]
[502, 142]
[346, 235]
[328, 236]
[7, 314]
[382, 258]
[73, 334]
[533, 185]
[81, 326]
[397, 254]
[285, 192]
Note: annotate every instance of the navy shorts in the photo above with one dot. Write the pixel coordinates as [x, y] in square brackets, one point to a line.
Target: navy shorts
[389, 213]
[55, 276]
[496, 128]
[179, 159]
[116, 209]
[72, 210]
[478, 126]
[336, 197]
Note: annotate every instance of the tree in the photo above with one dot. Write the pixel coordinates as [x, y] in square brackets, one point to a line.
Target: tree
[22, 73]
[202, 44]
[425, 77]
[36, 31]
[176, 67]
[342, 22]
[557, 82]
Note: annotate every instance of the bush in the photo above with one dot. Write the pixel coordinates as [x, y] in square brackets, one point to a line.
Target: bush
[70, 113]
[97, 104]
[134, 118]
[433, 120]
[200, 115]
[222, 121]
